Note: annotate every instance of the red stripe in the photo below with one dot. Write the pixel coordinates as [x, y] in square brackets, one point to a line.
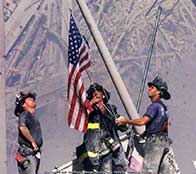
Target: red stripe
[69, 80]
[84, 58]
[85, 67]
[78, 76]
[79, 116]
[88, 106]
[71, 111]
[81, 91]
[82, 50]
[85, 123]
[82, 111]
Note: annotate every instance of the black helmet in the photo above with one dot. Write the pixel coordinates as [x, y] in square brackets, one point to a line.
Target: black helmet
[20, 99]
[93, 87]
[161, 85]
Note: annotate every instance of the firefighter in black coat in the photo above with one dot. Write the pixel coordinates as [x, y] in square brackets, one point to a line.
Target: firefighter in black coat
[101, 149]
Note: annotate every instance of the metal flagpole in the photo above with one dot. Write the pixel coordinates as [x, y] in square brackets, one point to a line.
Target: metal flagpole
[3, 151]
[152, 6]
[107, 58]
[148, 59]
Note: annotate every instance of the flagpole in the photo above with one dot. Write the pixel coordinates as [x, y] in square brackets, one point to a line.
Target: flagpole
[148, 61]
[3, 151]
[111, 67]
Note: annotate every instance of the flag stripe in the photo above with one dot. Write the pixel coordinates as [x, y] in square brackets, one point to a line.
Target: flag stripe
[69, 80]
[82, 50]
[85, 66]
[84, 58]
[78, 121]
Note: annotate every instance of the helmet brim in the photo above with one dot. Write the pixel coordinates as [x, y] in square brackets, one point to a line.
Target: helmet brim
[166, 95]
[30, 95]
[151, 84]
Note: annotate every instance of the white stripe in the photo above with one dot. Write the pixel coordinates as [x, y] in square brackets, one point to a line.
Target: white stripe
[84, 62]
[71, 89]
[70, 67]
[84, 96]
[79, 86]
[87, 51]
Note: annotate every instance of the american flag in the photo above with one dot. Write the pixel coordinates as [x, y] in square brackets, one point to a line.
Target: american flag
[78, 61]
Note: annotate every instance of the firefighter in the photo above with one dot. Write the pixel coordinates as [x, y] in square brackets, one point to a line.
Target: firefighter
[156, 120]
[101, 150]
[29, 134]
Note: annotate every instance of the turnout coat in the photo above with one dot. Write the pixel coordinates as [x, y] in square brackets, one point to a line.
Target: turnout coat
[101, 137]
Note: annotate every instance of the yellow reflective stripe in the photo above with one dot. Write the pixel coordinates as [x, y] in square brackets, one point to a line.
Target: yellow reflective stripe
[93, 125]
[87, 154]
[111, 140]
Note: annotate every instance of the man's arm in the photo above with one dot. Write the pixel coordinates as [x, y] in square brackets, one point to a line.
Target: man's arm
[115, 114]
[26, 133]
[138, 122]
[89, 104]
